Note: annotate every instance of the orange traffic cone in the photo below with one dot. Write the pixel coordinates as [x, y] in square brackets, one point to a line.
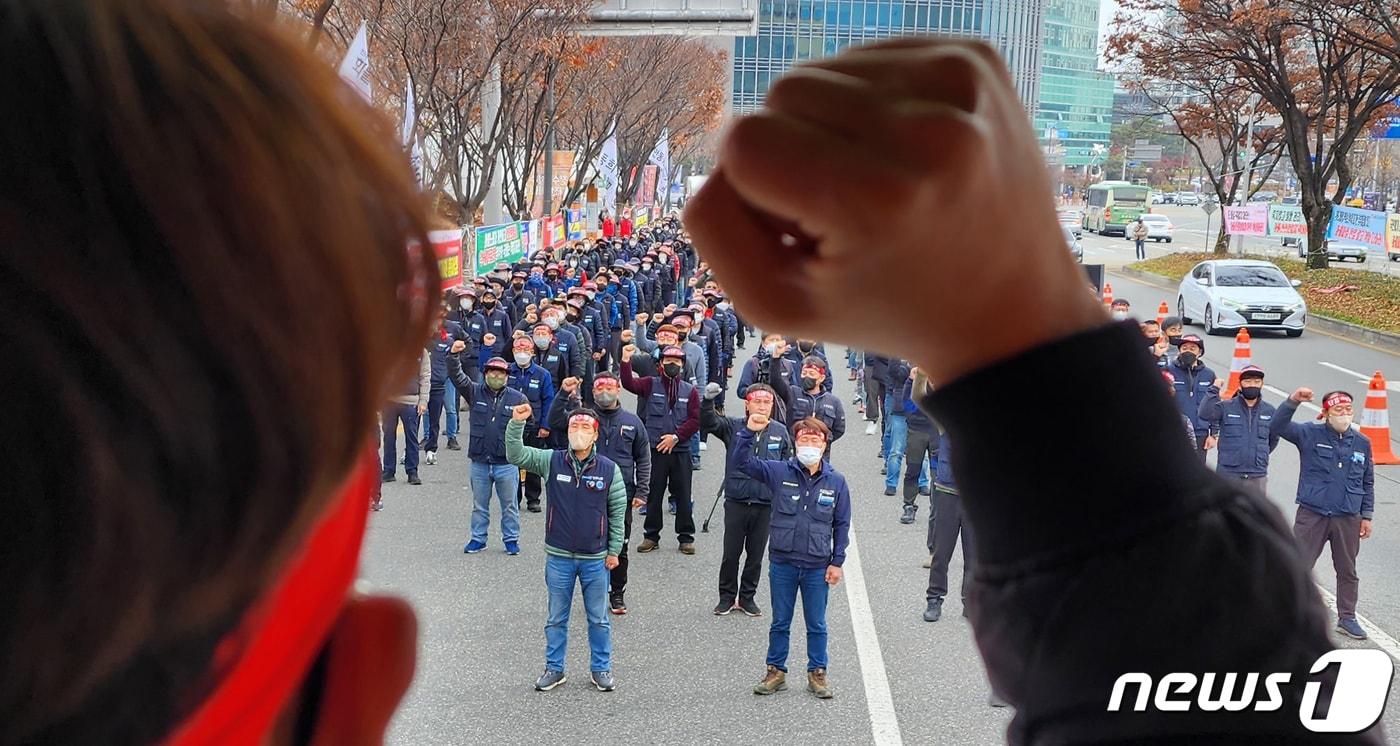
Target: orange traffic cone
[1375, 422]
[1107, 294]
[1162, 313]
[1238, 363]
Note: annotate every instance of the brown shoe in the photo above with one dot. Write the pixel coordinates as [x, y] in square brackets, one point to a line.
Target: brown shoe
[773, 682]
[816, 683]
[687, 549]
[647, 545]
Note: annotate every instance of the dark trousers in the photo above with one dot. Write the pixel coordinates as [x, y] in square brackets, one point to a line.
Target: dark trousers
[1259, 486]
[618, 578]
[946, 525]
[532, 483]
[920, 445]
[745, 530]
[1141, 248]
[671, 470]
[1343, 532]
[1201, 445]
[394, 414]
[437, 398]
[874, 396]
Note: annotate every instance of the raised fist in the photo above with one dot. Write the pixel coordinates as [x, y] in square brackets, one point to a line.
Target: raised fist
[758, 422]
[489, 340]
[520, 412]
[712, 390]
[642, 318]
[627, 336]
[1302, 395]
[627, 353]
[457, 347]
[570, 385]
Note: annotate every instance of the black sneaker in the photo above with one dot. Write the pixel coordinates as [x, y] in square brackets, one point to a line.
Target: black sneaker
[618, 606]
[750, 608]
[909, 511]
[387, 477]
[889, 492]
[549, 680]
[934, 611]
[533, 507]
[723, 607]
[924, 491]
[413, 479]
[453, 445]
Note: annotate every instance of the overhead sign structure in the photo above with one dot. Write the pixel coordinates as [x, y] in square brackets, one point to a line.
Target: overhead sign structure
[672, 18]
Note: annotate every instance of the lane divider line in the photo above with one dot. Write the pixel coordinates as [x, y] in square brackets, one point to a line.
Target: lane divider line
[884, 724]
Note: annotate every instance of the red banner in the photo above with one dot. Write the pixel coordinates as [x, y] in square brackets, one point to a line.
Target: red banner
[447, 247]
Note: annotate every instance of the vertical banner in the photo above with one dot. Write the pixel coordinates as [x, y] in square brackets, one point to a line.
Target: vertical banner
[1392, 234]
[646, 187]
[354, 69]
[447, 247]
[1287, 221]
[562, 163]
[575, 228]
[661, 158]
[555, 231]
[607, 173]
[1362, 226]
[641, 215]
[1247, 220]
[410, 115]
[498, 243]
[534, 236]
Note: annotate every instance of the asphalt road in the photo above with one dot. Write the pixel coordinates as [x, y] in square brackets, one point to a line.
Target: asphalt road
[1191, 236]
[685, 675]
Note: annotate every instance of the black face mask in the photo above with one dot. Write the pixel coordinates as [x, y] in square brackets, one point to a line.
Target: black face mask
[1188, 359]
[488, 304]
[805, 347]
[517, 285]
[1174, 340]
[671, 369]
[1250, 393]
[572, 318]
[809, 383]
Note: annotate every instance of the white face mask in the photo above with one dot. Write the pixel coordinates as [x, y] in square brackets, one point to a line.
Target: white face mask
[1339, 422]
[722, 306]
[1120, 315]
[591, 294]
[808, 455]
[552, 322]
[771, 348]
[580, 441]
[466, 305]
[523, 359]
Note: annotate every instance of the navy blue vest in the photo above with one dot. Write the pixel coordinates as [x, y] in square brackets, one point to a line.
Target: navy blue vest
[577, 514]
[489, 414]
[662, 417]
[773, 444]
[804, 507]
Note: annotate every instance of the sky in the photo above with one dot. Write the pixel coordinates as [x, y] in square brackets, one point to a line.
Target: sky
[1106, 11]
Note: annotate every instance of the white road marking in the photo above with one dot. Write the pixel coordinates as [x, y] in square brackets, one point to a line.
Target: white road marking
[1378, 636]
[1285, 395]
[884, 725]
[1360, 377]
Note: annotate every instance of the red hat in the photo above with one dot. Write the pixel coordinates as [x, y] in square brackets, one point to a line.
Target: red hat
[576, 303]
[552, 266]
[1251, 371]
[1195, 340]
[590, 285]
[523, 343]
[673, 351]
[498, 363]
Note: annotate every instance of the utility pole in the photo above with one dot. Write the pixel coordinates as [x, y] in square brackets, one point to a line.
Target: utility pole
[1125, 162]
[1248, 167]
[548, 200]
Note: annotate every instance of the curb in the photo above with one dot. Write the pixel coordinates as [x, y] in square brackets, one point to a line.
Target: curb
[1384, 341]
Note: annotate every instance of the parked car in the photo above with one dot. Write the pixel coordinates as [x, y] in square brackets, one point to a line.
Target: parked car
[1262, 196]
[1227, 294]
[1075, 248]
[1188, 198]
[1338, 250]
[1073, 220]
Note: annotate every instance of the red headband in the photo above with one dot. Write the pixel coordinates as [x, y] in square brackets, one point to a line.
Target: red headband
[584, 418]
[811, 430]
[262, 662]
[1340, 397]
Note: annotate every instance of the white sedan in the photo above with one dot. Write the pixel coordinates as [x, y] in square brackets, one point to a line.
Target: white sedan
[1159, 228]
[1225, 295]
[1188, 198]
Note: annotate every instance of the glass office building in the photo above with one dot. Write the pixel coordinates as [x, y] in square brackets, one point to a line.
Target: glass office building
[794, 30]
[1075, 108]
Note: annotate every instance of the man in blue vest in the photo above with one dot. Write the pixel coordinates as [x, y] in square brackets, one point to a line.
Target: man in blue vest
[808, 535]
[489, 403]
[1192, 380]
[670, 409]
[622, 438]
[1336, 491]
[527, 377]
[498, 324]
[1239, 429]
[747, 501]
[945, 525]
[583, 536]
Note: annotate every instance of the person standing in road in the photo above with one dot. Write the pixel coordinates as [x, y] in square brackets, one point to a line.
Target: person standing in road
[1192, 381]
[809, 532]
[896, 439]
[1336, 491]
[920, 450]
[945, 526]
[490, 403]
[583, 537]
[1140, 238]
[446, 334]
[671, 413]
[527, 377]
[812, 400]
[406, 410]
[1120, 309]
[875, 365]
[1240, 430]
[747, 501]
[622, 438]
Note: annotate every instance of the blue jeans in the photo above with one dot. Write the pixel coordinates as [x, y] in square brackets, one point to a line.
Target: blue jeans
[506, 479]
[784, 581]
[559, 574]
[394, 415]
[897, 434]
[451, 409]
[695, 451]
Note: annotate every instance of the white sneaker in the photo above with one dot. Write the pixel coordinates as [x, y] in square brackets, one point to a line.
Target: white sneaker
[431, 458]
[869, 428]
[704, 447]
[929, 562]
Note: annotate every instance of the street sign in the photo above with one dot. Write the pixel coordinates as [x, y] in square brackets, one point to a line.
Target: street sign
[1209, 207]
[1148, 153]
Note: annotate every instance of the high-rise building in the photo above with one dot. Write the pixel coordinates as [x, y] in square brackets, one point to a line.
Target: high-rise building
[1075, 108]
[793, 30]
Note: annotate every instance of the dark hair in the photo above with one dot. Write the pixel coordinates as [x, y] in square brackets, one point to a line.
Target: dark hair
[185, 193]
[812, 423]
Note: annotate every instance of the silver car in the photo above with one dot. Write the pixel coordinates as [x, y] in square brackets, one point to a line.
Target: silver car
[1073, 220]
[1075, 248]
[1338, 250]
[1228, 294]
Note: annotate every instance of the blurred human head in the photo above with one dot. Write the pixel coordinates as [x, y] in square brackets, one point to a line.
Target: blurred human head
[167, 156]
[759, 398]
